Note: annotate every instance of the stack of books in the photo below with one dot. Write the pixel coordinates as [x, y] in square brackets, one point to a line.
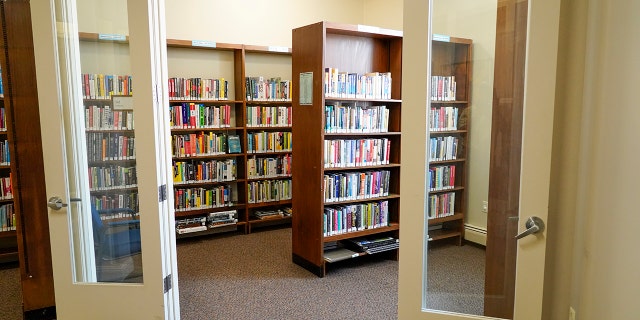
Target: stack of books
[372, 245]
[222, 218]
[272, 214]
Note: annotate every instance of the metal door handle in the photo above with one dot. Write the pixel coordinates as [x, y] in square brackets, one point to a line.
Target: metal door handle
[56, 203]
[534, 225]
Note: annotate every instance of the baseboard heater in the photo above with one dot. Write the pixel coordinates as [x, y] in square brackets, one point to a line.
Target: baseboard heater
[475, 234]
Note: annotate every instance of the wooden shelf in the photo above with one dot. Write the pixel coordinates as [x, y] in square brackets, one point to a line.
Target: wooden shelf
[268, 204]
[453, 59]
[205, 183]
[200, 212]
[188, 130]
[8, 234]
[352, 49]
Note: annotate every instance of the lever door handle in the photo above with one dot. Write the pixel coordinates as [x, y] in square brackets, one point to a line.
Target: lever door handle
[534, 225]
[56, 203]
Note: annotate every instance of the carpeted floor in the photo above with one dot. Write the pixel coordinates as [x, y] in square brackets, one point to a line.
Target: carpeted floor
[252, 277]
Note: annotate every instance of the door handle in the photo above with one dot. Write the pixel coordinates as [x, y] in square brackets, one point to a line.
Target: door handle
[56, 203]
[534, 225]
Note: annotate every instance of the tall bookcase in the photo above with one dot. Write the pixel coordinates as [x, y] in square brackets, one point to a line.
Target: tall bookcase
[253, 171]
[211, 181]
[449, 125]
[329, 153]
[8, 238]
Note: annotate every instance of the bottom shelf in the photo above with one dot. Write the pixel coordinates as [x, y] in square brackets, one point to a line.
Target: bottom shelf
[440, 234]
[221, 229]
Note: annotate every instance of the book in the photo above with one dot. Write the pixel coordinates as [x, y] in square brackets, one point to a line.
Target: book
[233, 141]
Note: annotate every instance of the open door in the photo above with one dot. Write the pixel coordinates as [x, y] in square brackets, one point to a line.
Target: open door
[525, 58]
[112, 238]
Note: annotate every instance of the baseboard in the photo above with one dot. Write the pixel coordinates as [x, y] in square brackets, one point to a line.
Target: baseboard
[475, 234]
[48, 313]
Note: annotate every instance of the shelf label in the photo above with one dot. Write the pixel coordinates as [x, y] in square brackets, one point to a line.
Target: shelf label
[122, 103]
[441, 37]
[203, 43]
[112, 37]
[306, 88]
[278, 49]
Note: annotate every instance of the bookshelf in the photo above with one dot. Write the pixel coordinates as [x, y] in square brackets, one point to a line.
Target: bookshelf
[255, 178]
[8, 237]
[449, 125]
[331, 131]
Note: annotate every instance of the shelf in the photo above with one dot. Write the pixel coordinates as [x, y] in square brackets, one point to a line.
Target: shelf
[200, 212]
[362, 100]
[6, 201]
[360, 134]
[448, 132]
[446, 190]
[267, 49]
[119, 189]
[435, 235]
[205, 183]
[454, 217]
[5, 166]
[391, 196]
[202, 44]
[431, 163]
[7, 234]
[268, 204]
[365, 232]
[269, 178]
[267, 102]
[179, 130]
[286, 128]
[109, 131]
[267, 153]
[203, 101]
[209, 231]
[381, 166]
[213, 156]
[448, 102]
[275, 219]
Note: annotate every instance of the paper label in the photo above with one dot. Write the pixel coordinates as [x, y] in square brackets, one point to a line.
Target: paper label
[203, 43]
[441, 37]
[112, 37]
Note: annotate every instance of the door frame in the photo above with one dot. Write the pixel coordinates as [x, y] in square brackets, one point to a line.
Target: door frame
[148, 54]
[540, 76]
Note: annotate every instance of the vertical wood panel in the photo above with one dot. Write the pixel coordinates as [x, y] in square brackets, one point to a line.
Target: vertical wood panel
[504, 167]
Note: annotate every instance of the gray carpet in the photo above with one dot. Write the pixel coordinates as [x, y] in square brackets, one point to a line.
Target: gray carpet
[252, 277]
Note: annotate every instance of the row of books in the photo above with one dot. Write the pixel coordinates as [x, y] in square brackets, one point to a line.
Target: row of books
[443, 148]
[268, 89]
[185, 172]
[443, 118]
[258, 142]
[268, 191]
[267, 116]
[104, 86]
[212, 220]
[105, 118]
[356, 217]
[198, 89]
[272, 214]
[1, 87]
[7, 217]
[115, 200]
[204, 198]
[5, 159]
[104, 146]
[258, 167]
[197, 115]
[341, 118]
[441, 205]
[356, 152]
[371, 85]
[204, 144]
[112, 177]
[6, 188]
[441, 178]
[356, 185]
[443, 88]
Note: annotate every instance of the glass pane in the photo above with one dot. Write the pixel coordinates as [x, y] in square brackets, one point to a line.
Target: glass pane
[473, 175]
[104, 218]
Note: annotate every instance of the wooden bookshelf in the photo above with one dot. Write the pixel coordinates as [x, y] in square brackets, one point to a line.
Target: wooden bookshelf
[450, 117]
[199, 59]
[239, 62]
[353, 49]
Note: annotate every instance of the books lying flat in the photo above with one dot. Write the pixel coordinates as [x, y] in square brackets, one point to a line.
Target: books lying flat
[339, 254]
[191, 229]
[372, 244]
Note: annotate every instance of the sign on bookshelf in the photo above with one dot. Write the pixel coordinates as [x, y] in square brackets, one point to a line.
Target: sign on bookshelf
[122, 102]
[112, 37]
[203, 43]
[306, 88]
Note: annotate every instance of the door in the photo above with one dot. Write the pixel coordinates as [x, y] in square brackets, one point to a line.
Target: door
[525, 191]
[112, 238]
